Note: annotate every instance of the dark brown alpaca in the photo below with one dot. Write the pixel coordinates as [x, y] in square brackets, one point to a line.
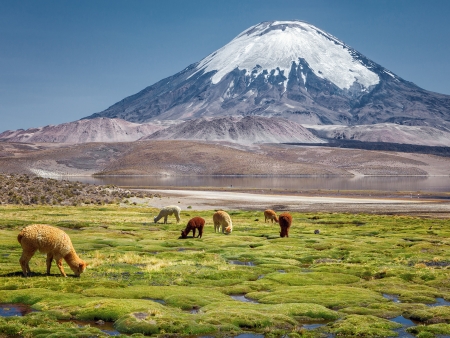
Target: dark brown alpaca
[285, 220]
[193, 224]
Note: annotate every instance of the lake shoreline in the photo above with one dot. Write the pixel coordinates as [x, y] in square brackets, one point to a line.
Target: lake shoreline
[213, 199]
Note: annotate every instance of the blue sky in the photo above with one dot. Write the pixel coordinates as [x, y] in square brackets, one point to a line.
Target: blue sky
[63, 60]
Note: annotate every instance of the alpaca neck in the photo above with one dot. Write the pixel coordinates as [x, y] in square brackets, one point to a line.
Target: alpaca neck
[72, 259]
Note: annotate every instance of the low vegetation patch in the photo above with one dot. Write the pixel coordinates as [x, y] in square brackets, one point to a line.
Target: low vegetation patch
[33, 190]
[350, 280]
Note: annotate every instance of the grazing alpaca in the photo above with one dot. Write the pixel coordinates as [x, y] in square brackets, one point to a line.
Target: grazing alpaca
[222, 220]
[193, 224]
[168, 211]
[285, 221]
[52, 241]
[270, 215]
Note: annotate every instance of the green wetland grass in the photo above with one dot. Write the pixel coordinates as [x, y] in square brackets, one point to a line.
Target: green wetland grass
[349, 280]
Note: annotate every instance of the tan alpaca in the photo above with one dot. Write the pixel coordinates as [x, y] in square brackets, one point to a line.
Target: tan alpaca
[270, 215]
[52, 241]
[222, 220]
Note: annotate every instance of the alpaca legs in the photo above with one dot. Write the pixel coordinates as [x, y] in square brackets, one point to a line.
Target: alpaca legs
[60, 266]
[24, 262]
[49, 262]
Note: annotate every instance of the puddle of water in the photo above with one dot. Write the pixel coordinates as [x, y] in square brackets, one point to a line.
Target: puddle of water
[195, 310]
[242, 335]
[186, 249]
[241, 263]
[394, 298]
[260, 277]
[281, 271]
[439, 302]
[404, 321]
[242, 298]
[312, 326]
[106, 327]
[160, 301]
[11, 310]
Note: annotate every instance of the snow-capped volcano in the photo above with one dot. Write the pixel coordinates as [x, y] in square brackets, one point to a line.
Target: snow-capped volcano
[288, 69]
[275, 46]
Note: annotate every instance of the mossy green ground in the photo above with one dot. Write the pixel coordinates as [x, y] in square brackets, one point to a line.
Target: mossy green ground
[146, 280]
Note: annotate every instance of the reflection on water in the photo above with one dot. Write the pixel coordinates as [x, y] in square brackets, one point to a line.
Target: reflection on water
[17, 309]
[246, 263]
[440, 302]
[394, 298]
[381, 183]
[402, 333]
[242, 298]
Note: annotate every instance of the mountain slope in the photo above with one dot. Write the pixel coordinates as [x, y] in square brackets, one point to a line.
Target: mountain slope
[386, 132]
[246, 130]
[288, 69]
[95, 130]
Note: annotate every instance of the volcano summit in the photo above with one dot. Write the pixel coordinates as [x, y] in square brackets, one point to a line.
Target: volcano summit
[288, 69]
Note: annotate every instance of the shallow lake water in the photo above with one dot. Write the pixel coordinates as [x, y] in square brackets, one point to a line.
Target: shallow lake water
[414, 184]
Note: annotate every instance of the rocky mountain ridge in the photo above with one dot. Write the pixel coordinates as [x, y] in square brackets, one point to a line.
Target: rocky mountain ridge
[238, 129]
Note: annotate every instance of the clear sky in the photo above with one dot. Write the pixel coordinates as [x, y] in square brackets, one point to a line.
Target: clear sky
[63, 60]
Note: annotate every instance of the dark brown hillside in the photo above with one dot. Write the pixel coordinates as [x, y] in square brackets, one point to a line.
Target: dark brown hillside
[201, 158]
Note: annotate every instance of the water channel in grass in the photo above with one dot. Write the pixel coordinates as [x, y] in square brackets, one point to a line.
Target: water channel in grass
[17, 309]
[412, 184]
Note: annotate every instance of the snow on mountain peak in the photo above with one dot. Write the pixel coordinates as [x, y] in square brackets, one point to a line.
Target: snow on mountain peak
[275, 45]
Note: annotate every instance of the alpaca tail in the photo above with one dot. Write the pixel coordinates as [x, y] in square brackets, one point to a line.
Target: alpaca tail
[19, 238]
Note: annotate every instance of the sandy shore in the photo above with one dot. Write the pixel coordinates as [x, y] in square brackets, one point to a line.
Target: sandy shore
[207, 200]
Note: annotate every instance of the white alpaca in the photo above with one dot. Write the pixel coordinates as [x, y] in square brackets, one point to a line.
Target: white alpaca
[168, 211]
[222, 220]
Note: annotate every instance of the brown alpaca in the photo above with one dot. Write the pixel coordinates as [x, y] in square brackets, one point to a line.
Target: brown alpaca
[222, 220]
[270, 215]
[52, 241]
[285, 221]
[193, 224]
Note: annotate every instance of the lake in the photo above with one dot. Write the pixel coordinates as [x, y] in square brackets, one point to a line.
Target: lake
[378, 183]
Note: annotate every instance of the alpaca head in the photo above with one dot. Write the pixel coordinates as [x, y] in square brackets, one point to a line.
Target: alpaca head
[183, 234]
[228, 230]
[79, 268]
[154, 219]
